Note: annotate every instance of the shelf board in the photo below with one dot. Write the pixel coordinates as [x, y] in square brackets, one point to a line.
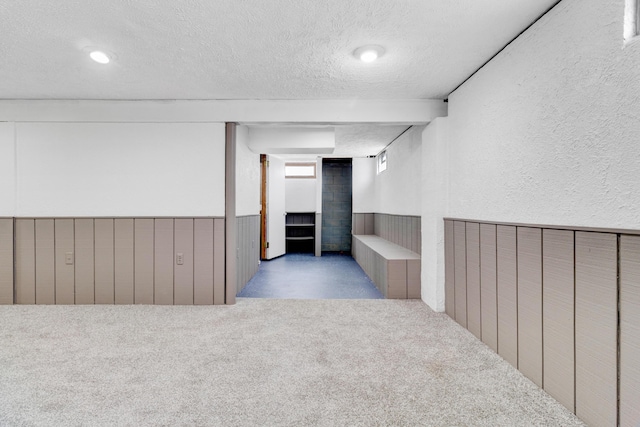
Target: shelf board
[299, 225]
[301, 238]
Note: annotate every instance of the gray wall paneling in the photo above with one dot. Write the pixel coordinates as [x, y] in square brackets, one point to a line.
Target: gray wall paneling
[460, 276]
[123, 260]
[596, 320]
[25, 262]
[104, 229]
[6, 261]
[203, 261]
[449, 265]
[396, 279]
[45, 262]
[368, 223]
[474, 309]
[629, 331]
[488, 294]
[558, 293]
[558, 315]
[84, 260]
[507, 286]
[414, 290]
[64, 271]
[530, 303]
[218, 261]
[183, 282]
[143, 260]
[357, 223]
[164, 261]
[403, 230]
[248, 249]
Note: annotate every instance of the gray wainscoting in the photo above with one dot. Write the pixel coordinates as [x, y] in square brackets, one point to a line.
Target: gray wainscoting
[549, 300]
[403, 230]
[248, 237]
[6, 260]
[117, 261]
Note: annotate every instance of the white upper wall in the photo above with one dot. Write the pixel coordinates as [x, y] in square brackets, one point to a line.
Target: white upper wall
[300, 194]
[434, 189]
[120, 169]
[7, 170]
[363, 182]
[247, 175]
[397, 189]
[547, 132]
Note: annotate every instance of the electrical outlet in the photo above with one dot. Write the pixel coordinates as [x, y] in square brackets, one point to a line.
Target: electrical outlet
[180, 258]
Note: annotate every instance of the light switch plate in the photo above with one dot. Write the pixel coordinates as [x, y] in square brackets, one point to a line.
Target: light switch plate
[68, 258]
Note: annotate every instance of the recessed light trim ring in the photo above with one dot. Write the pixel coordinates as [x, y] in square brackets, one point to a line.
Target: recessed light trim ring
[369, 53]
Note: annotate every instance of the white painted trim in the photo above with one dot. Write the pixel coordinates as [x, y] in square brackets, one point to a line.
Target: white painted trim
[412, 111]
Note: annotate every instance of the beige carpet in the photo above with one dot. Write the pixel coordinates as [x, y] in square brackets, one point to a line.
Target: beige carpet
[258, 363]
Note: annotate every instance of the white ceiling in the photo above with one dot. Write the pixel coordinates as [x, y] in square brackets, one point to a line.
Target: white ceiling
[251, 49]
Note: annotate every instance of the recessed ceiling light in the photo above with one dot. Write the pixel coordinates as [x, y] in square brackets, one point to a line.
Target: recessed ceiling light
[100, 57]
[368, 53]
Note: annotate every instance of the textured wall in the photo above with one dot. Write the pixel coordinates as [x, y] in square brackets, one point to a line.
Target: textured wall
[364, 175]
[547, 132]
[397, 189]
[434, 207]
[120, 169]
[7, 170]
[300, 194]
[247, 175]
[336, 205]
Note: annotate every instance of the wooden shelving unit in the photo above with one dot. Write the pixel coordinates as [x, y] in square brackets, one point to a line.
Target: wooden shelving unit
[301, 232]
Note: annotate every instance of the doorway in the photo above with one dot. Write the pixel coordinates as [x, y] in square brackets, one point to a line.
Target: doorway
[336, 205]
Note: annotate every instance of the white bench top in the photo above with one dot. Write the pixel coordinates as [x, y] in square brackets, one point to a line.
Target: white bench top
[386, 248]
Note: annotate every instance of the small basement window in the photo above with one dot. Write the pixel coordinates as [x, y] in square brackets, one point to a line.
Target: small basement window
[300, 170]
[382, 161]
[631, 20]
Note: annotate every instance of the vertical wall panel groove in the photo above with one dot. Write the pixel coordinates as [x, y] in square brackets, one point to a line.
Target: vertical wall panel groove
[488, 294]
[6, 261]
[183, 283]
[25, 262]
[507, 293]
[104, 261]
[460, 276]
[124, 261]
[84, 260]
[596, 328]
[218, 261]
[65, 273]
[144, 254]
[530, 303]
[474, 309]
[449, 260]
[629, 331]
[45, 262]
[558, 315]
[203, 258]
[163, 262]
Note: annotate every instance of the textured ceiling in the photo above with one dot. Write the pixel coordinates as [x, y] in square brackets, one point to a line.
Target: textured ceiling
[250, 49]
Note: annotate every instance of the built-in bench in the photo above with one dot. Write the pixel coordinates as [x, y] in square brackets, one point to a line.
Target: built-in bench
[394, 269]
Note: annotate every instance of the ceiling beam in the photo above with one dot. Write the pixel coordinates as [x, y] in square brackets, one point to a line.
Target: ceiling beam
[405, 112]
